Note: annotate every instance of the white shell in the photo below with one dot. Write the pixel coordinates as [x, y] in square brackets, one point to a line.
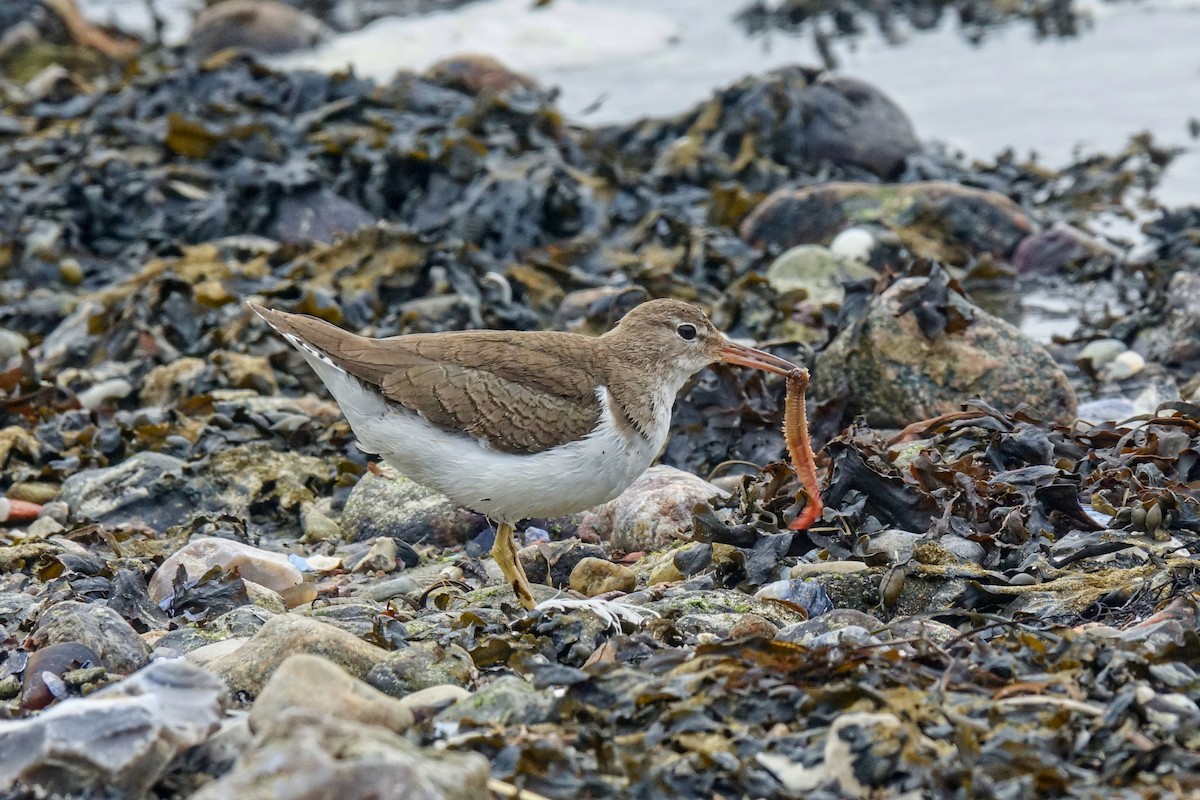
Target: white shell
[854, 244]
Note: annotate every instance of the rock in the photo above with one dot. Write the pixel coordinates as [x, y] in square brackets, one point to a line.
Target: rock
[683, 601]
[386, 590]
[817, 272]
[317, 525]
[896, 544]
[1097, 355]
[396, 507]
[167, 383]
[197, 557]
[248, 668]
[121, 738]
[205, 655]
[1063, 250]
[433, 700]
[862, 751]
[808, 594]
[827, 568]
[893, 373]
[11, 344]
[53, 660]
[356, 617]
[380, 558]
[303, 756]
[965, 550]
[722, 625]
[475, 73]
[242, 621]
[809, 631]
[266, 599]
[753, 626]
[317, 214]
[234, 480]
[852, 122]
[100, 394]
[259, 26]
[147, 489]
[420, 666]
[315, 684]
[652, 513]
[37, 492]
[594, 576]
[551, 563]
[96, 627]
[506, 702]
[936, 220]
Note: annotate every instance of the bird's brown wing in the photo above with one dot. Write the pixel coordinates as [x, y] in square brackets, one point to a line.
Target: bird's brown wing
[518, 393]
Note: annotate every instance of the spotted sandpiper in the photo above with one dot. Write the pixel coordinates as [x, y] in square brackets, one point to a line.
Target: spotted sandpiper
[518, 424]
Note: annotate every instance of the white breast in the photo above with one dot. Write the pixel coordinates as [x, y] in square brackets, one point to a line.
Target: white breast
[559, 481]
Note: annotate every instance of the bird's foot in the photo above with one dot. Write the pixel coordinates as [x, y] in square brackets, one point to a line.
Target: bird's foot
[612, 612]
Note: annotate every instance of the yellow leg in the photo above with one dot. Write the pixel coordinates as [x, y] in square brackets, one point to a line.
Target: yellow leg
[505, 553]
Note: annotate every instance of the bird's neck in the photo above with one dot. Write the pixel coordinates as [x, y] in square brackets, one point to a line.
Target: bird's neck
[643, 395]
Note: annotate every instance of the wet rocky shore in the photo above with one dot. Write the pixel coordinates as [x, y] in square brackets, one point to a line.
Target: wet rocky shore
[207, 591]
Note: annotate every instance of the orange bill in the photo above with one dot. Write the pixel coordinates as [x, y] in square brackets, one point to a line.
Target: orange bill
[743, 356]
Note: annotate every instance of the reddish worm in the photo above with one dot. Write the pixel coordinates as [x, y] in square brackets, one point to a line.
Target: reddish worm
[795, 432]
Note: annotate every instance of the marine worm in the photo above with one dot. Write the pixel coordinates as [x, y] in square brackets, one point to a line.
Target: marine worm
[795, 433]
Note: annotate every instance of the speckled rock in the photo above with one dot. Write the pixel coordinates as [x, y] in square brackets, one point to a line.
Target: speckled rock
[652, 513]
[306, 756]
[420, 666]
[121, 738]
[394, 506]
[942, 221]
[96, 627]
[272, 570]
[594, 576]
[248, 668]
[893, 374]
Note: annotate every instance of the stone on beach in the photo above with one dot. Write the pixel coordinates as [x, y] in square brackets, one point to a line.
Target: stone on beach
[197, 557]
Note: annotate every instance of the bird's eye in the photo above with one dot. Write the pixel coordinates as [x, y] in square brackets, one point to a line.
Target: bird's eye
[686, 331]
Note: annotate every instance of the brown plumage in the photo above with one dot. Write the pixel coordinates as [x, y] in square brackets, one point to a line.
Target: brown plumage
[520, 392]
[520, 395]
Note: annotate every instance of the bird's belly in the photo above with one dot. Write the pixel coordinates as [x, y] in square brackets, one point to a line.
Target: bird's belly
[562, 480]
